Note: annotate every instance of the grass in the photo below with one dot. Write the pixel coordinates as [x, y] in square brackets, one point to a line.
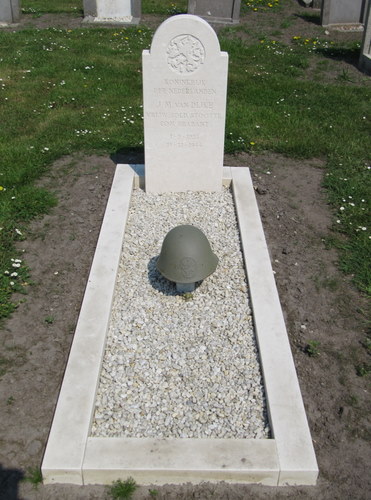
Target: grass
[248, 6]
[122, 490]
[363, 369]
[312, 348]
[66, 91]
[54, 102]
[162, 7]
[39, 7]
[34, 476]
[273, 106]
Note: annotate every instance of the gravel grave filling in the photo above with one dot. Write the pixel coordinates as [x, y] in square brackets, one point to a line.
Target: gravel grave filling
[181, 366]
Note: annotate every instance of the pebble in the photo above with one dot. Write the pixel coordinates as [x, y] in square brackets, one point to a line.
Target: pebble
[175, 367]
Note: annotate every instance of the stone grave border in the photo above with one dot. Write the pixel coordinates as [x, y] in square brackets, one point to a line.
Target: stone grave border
[71, 456]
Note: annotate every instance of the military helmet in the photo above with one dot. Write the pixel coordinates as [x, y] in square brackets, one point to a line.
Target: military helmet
[186, 255]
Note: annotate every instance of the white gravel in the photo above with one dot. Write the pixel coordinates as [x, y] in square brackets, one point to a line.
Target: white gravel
[176, 367]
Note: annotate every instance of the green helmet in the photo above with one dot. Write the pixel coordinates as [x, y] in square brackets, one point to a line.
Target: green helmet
[186, 255]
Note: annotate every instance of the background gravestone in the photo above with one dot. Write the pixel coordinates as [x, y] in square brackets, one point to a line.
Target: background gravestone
[9, 11]
[365, 58]
[315, 4]
[184, 97]
[113, 11]
[342, 12]
[217, 11]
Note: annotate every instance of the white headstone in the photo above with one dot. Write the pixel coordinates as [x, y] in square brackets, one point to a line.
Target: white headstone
[112, 11]
[184, 97]
[216, 11]
[365, 56]
[342, 12]
[9, 11]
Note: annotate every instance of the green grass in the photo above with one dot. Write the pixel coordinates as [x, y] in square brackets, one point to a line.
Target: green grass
[166, 7]
[122, 490]
[34, 476]
[312, 348]
[273, 106]
[66, 91]
[248, 6]
[54, 101]
[38, 7]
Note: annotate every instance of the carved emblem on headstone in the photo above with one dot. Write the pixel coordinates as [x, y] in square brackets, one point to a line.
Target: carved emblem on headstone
[185, 54]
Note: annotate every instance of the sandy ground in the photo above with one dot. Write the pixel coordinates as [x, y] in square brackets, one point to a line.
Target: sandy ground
[319, 303]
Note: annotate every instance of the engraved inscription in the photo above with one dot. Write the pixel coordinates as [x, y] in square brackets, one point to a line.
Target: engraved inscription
[181, 141]
[185, 54]
[186, 90]
[183, 103]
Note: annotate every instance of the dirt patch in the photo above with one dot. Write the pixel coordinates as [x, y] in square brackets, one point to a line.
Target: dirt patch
[321, 308]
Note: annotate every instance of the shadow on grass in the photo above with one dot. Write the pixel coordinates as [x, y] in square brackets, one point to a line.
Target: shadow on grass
[9, 483]
[310, 18]
[129, 155]
[349, 55]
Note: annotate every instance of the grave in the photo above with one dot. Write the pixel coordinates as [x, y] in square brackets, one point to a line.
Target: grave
[9, 12]
[112, 11]
[317, 4]
[365, 57]
[77, 451]
[314, 4]
[216, 11]
[342, 12]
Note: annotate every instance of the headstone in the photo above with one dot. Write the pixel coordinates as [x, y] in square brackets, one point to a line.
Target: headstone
[216, 11]
[9, 11]
[112, 11]
[184, 97]
[365, 57]
[317, 4]
[342, 12]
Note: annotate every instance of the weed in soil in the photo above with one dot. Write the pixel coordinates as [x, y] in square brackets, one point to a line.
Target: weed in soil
[49, 320]
[312, 348]
[34, 476]
[122, 490]
[363, 369]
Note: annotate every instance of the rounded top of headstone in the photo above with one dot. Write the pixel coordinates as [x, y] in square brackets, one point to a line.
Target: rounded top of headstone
[183, 35]
[186, 255]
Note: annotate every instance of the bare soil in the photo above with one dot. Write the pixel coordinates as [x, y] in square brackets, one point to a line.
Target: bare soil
[319, 303]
